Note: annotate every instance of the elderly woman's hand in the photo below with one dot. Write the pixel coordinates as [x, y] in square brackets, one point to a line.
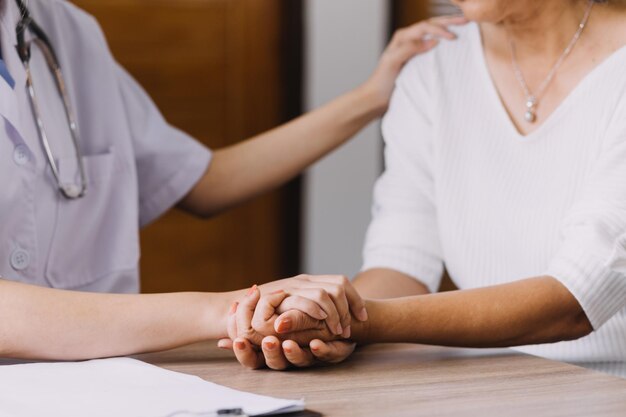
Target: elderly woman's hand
[325, 297]
[405, 44]
[257, 331]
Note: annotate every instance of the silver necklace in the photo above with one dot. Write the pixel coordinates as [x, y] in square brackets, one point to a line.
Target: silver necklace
[532, 99]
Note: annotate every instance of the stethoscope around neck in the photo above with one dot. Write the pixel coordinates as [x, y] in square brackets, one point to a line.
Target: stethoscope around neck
[70, 191]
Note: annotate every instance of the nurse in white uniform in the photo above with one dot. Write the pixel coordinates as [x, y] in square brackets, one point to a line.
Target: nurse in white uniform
[84, 166]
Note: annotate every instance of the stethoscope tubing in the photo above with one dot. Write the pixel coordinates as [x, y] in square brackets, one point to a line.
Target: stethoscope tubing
[27, 23]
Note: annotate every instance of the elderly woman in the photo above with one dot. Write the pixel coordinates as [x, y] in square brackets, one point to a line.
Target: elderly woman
[505, 165]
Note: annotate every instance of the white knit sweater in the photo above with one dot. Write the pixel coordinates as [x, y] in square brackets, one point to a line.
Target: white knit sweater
[463, 188]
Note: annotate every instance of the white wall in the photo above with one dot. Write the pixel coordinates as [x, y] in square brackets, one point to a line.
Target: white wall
[344, 41]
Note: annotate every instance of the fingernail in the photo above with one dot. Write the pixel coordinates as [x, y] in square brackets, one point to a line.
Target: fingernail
[315, 348]
[277, 292]
[284, 326]
[270, 345]
[287, 350]
[240, 345]
[233, 308]
[346, 332]
[252, 290]
[363, 315]
[339, 329]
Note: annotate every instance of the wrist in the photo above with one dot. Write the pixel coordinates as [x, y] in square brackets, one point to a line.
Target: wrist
[385, 323]
[375, 102]
[362, 330]
[215, 312]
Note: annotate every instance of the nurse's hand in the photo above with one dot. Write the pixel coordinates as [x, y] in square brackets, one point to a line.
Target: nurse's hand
[261, 338]
[324, 297]
[405, 44]
[288, 354]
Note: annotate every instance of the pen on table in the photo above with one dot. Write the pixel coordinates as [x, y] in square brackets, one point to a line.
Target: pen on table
[232, 412]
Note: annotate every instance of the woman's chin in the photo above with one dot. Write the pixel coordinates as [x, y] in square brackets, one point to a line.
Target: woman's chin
[483, 11]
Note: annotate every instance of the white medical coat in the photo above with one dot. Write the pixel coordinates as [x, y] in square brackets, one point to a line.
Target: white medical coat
[138, 166]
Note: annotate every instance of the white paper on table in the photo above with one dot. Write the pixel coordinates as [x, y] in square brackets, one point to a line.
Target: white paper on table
[120, 387]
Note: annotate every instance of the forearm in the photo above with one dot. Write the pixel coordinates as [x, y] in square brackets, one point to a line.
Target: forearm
[539, 310]
[383, 283]
[267, 161]
[41, 323]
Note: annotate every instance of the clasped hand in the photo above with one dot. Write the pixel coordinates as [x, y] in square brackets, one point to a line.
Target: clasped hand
[295, 322]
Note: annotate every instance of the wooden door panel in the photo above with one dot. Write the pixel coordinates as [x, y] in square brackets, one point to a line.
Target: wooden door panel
[214, 68]
[407, 12]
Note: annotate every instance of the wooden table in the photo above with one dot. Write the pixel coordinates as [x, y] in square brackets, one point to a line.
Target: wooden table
[409, 380]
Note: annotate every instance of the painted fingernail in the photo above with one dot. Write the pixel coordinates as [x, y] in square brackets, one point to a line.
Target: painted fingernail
[363, 314]
[233, 308]
[339, 329]
[270, 345]
[346, 332]
[252, 290]
[287, 350]
[240, 345]
[284, 326]
[315, 348]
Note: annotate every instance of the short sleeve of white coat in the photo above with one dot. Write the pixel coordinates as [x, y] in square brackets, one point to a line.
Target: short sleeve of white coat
[169, 162]
[591, 261]
[403, 235]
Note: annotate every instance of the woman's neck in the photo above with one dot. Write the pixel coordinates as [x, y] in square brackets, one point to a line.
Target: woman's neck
[538, 28]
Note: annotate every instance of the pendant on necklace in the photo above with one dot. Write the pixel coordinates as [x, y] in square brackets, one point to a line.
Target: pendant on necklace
[532, 100]
[531, 110]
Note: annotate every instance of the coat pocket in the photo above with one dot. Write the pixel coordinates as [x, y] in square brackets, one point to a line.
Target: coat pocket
[97, 235]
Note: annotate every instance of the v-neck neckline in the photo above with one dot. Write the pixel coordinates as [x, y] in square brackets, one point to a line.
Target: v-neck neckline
[556, 113]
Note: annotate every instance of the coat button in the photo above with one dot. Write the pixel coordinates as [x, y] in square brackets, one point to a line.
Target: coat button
[20, 155]
[20, 259]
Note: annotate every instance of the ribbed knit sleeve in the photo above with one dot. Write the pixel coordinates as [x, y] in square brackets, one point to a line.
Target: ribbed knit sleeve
[591, 261]
[403, 234]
